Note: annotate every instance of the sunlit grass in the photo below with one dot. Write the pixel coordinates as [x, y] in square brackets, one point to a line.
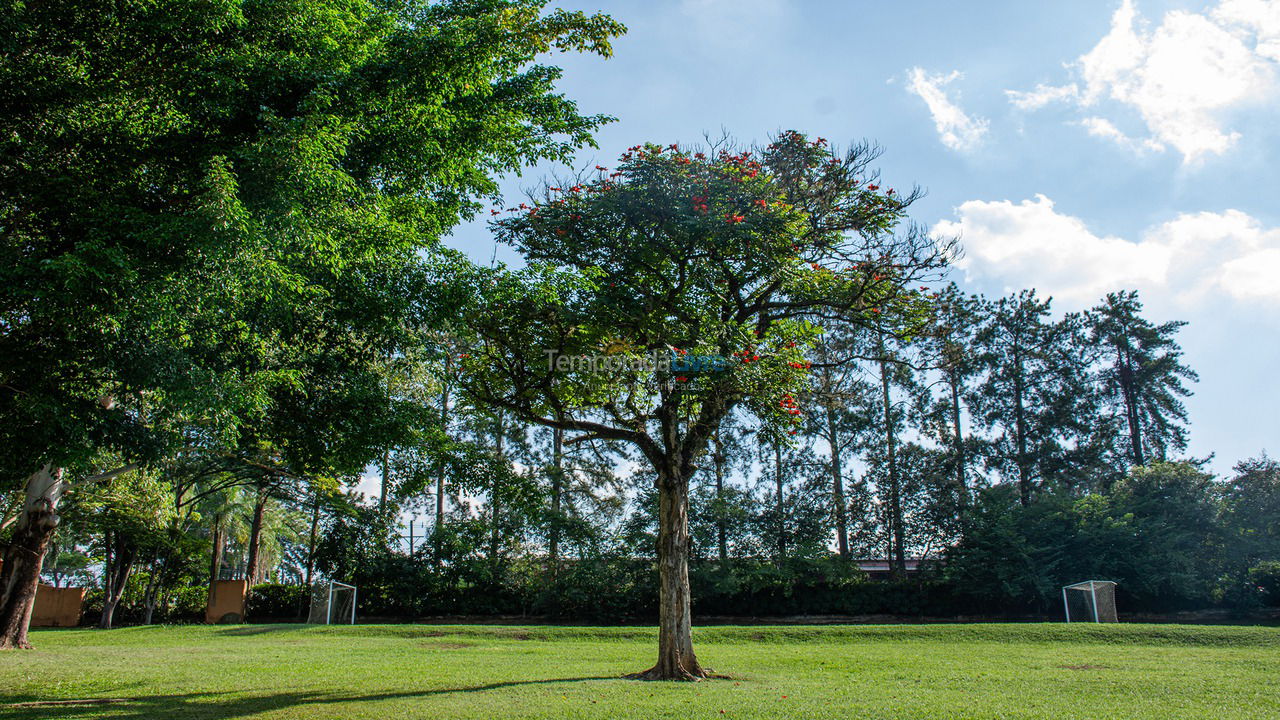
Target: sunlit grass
[415, 671]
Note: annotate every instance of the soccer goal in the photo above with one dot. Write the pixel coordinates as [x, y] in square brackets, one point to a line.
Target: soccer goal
[333, 603]
[1090, 601]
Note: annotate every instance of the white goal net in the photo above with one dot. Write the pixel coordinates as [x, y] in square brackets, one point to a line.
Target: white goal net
[332, 603]
[1090, 601]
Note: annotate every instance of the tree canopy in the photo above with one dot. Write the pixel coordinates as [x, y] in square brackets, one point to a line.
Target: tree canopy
[662, 294]
[212, 214]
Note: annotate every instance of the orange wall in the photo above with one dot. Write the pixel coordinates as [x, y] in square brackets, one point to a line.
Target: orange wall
[57, 607]
[228, 597]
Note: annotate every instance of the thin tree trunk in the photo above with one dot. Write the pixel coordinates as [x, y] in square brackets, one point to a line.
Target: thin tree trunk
[557, 488]
[20, 572]
[1130, 394]
[255, 538]
[495, 505]
[108, 577]
[676, 659]
[386, 479]
[215, 556]
[311, 539]
[782, 507]
[1020, 430]
[152, 594]
[119, 567]
[718, 458]
[444, 425]
[899, 564]
[837, 480]
[962, 484]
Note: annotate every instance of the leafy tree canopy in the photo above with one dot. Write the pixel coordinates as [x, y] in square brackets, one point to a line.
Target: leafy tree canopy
[210, 208]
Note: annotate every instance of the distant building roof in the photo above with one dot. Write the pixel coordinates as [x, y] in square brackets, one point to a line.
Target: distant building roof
[912, 564]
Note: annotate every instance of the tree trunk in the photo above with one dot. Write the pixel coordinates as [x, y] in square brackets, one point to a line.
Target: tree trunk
[444, 425]
[1020, 430]
[962, 484]
[898, 539]
[722, 541]
[676, 659]
[837, 481]
[495, 505]
[152, 594]
[386, 479]
[1129, 391]
[215, 555]
[20, 572]
[255, 538]
[782, 507]
[557, 488]
[119, 566]
[311, 540]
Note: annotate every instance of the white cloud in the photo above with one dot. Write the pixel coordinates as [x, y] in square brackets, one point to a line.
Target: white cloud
[956, 129]
[1254, 276]
[1104, 128]
[1257, 18]
[1192, 258]
[1181, 77]
[1228, 253]
[1042, 95]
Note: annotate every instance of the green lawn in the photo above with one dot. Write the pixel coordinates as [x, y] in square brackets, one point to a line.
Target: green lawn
[396, 672]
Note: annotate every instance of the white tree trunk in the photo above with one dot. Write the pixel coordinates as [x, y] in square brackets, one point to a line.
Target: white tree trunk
[20, 573]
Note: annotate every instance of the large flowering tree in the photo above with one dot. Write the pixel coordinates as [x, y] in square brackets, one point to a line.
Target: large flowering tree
[660, 295]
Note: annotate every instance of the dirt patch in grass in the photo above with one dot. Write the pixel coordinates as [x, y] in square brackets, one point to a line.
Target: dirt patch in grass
[447, 645]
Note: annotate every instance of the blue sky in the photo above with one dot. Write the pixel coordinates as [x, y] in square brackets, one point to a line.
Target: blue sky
[1075, 147]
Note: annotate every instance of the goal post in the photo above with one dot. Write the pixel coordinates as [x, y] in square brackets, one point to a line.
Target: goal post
[1093, 600]
[332, 603]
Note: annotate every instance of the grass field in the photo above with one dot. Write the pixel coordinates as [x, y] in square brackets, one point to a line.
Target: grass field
[415, 671]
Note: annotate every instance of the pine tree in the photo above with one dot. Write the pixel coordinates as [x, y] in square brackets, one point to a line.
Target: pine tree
[1144, 378]
[948, 347]
[1034, 393]
[839, 388]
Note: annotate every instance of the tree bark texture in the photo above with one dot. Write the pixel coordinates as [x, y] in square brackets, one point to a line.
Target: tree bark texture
[20, 573]
[676, 659]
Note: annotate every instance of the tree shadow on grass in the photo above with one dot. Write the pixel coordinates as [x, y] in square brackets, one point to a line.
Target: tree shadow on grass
[215, 706]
